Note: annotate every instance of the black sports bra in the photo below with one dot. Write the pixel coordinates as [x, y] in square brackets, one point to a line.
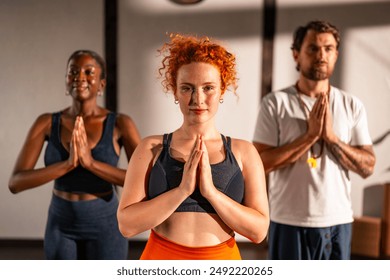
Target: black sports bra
[167, 173]
[80, 180]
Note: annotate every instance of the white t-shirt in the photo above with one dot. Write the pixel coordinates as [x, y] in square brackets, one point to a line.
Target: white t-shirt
[298, 194]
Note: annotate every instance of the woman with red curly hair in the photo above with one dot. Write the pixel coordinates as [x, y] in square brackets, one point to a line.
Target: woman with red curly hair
[194, 188]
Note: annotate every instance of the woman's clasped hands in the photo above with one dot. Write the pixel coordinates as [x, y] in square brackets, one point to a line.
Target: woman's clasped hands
[79, 151]
[197, 170]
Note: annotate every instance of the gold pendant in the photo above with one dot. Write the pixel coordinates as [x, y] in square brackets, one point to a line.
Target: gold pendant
[312, 162]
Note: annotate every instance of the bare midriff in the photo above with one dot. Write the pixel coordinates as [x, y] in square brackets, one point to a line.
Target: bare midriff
[79, 196]
[195, 229]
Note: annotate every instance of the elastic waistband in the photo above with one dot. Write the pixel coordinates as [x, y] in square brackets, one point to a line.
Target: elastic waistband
[84, 210]
[70, 196]
[160, 248]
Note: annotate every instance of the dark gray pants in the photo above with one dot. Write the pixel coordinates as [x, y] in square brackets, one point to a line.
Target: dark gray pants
[303, 243]
[84, 230]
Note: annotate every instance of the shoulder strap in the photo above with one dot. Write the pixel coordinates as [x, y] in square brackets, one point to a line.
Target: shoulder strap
[110, 124]
[226, 141]
[55, 128]
[229, 142]
[169, 139]
[166, 140]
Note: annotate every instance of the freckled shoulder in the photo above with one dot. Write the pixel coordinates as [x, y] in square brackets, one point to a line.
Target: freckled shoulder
[153, 144]
[241, 144]
[152, 140]
[242, 148]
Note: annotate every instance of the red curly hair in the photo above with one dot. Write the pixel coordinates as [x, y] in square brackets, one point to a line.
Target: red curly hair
[184, 49]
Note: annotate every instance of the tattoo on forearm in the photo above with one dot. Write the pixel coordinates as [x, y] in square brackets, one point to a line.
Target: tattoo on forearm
[336, 150]
[352, 159]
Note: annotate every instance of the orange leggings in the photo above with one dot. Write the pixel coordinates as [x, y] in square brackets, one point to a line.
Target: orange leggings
[160, 248]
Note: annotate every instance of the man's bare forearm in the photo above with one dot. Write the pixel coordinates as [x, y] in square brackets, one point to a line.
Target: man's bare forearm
[359, 159]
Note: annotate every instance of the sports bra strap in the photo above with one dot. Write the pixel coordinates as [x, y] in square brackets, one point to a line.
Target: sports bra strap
[166, 140]
[226, 141]
[109, 126]
[55, 129]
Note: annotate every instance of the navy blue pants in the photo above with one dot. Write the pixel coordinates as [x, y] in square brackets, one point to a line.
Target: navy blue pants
[303, 243]
[84, 230]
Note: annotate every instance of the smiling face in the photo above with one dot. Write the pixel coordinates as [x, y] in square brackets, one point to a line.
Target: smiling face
[317, 56]
[83, 79]
[198, 91]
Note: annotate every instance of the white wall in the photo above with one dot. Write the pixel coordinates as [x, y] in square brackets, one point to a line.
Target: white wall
[38, 36]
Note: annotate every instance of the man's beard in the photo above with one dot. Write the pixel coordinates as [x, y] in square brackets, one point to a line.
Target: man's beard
[317, 73]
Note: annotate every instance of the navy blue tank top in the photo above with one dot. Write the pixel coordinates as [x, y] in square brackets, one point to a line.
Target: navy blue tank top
[167, 172]
[80, 180]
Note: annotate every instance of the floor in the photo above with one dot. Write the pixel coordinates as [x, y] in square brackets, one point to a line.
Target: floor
[33, 250]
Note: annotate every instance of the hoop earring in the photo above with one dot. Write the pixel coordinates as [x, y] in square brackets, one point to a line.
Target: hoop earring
[221, 100]
[176, 101]
[67, 93]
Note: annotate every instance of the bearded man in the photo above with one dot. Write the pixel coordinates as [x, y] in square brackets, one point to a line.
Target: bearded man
[310, 136]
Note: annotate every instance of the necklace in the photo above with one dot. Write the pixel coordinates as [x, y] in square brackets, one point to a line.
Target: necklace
[312, 160]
